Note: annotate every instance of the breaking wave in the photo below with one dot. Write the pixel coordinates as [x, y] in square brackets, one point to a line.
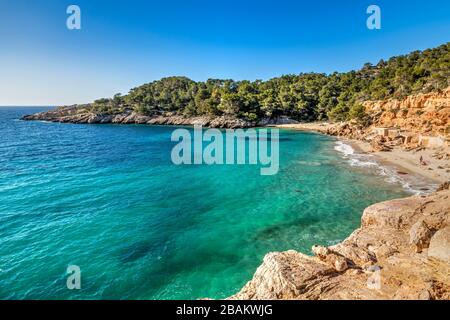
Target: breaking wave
[411, 183]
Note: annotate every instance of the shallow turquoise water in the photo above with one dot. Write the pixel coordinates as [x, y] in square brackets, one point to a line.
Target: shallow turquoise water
[108, 199]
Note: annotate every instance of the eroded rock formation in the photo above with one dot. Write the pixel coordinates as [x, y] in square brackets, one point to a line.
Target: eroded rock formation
[423, 113]
[77, 115]
[418, 120]
[401, 251]
[80, 114]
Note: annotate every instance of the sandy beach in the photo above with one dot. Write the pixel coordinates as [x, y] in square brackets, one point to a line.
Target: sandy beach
[437, 170]
[406, 163]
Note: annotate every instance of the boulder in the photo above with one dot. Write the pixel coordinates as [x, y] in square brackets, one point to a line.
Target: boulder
[379, 144]
[444, 186]
[420, 235]
[335, 260]
[440, 245]
[380, 262]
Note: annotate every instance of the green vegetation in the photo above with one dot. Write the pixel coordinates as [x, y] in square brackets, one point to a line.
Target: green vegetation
[304, 97]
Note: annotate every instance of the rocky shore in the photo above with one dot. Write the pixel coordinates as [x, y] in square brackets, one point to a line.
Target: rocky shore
[401, 251]
[79, 115]
[412, 134]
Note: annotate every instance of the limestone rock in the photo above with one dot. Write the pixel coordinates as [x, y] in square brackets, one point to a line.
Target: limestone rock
[422, 113]
[380, 262]
[338, 262]
[420, 235]
[284, 275]
[440, 245]
[81, 114]
[379, 144]
[444, 186]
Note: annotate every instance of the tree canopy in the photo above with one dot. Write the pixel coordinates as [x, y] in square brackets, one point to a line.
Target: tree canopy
[304, 97]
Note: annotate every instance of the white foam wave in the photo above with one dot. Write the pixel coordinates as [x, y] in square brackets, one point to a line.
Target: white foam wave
[346, 149]
[411, 184]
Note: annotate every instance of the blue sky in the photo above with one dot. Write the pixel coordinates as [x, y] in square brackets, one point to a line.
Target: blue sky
[123, 44]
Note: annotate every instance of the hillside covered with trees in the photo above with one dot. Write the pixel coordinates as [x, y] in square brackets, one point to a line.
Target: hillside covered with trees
[303, 97]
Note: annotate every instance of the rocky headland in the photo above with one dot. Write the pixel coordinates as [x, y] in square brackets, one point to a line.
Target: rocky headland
[82, 115]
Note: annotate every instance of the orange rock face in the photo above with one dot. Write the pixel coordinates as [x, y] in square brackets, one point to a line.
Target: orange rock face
[424, 113]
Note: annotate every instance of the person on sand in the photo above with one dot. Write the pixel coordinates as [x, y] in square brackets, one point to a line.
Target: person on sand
[423, 162]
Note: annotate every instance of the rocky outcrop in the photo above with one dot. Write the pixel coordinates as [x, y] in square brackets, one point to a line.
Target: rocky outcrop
[420, 235]
[81, 114]
[345, 129]
[440, 245]
[421, 120]
[380, 260]
[423, 113]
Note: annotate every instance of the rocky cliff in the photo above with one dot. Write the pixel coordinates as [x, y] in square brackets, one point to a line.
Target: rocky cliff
[423, 113]
[421, 120]
[401, 251]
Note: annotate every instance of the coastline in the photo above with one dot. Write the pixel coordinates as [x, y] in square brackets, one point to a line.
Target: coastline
[386, 241]
[409, 161]
[403, 166]
[400, 252]
[399, 165]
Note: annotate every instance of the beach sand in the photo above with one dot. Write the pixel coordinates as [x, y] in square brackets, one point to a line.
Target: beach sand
[435, 170]
[406, 163]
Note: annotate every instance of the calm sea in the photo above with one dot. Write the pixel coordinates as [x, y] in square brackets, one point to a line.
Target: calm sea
[108, 199]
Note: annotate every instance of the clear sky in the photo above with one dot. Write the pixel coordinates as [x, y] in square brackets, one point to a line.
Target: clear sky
[125, 43]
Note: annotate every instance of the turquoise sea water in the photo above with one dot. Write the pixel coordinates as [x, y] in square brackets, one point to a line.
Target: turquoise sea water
[108, 199]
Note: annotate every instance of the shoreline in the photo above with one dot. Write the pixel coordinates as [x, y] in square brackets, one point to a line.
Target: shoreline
[408, 161]
[400, 251]
[405, 164]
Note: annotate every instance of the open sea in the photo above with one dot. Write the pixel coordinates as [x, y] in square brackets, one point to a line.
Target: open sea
[108, 199]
